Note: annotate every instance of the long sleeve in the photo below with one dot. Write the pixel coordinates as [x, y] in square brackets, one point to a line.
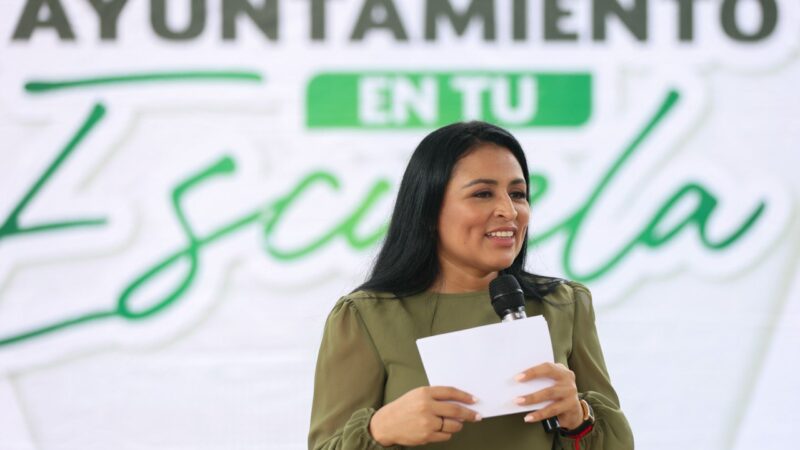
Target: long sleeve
[611, 430]
[348, 384]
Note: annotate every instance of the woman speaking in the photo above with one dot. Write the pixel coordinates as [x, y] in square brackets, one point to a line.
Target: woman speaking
[460, 218]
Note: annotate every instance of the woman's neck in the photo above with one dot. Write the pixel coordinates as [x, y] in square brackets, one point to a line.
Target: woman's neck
[454, 280]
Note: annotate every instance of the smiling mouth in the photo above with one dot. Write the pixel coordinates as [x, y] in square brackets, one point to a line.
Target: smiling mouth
[501, 234]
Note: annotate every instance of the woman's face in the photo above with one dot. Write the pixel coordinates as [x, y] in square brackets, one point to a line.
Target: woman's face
[484, 213]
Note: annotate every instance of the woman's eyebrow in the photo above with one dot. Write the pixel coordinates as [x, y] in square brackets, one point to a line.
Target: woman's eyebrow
[480, 181]
[492, 182]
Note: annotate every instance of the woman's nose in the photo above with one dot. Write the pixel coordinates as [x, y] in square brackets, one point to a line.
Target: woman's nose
[505, 207]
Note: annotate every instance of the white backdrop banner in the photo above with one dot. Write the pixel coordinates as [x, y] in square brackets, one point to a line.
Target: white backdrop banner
[187, 187]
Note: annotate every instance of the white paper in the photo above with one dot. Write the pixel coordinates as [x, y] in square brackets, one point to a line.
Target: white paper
[483, 361]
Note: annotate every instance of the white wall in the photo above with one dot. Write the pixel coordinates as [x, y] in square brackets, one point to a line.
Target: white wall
[216, 349]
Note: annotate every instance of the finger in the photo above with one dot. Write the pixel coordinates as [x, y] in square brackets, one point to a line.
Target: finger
[545, 370]
[451, 426]
[439, 436]
[551, 393]
[551, 410]
[555, 393]
[451, 393]
[455, 411]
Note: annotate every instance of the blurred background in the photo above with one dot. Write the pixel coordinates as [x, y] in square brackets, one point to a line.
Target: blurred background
[188, 186]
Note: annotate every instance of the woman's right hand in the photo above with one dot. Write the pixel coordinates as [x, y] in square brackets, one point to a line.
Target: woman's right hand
[422, 415]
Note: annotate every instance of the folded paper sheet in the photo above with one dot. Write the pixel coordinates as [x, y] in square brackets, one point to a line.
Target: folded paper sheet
[483, 361]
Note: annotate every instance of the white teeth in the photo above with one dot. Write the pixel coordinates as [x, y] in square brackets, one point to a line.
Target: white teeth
[502, 234]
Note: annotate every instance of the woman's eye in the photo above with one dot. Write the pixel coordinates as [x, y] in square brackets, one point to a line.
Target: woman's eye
[518, 195]
[483, 194]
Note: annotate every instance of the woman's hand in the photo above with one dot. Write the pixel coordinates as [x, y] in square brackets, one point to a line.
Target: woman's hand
[422, 415]
[564, 395]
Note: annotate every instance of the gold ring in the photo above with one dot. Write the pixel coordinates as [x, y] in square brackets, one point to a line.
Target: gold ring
[441, 429]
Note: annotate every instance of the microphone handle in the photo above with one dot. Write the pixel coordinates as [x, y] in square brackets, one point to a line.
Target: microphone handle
[512, 315]
[551, 424]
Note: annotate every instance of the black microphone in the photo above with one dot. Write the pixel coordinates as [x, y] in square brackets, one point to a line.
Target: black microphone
[508, 299]
[508, 302]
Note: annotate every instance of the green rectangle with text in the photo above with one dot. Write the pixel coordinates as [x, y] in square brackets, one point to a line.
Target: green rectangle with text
[386, 100]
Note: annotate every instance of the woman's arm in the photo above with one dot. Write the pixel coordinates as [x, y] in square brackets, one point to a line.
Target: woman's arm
[348, 385]
[611, 430]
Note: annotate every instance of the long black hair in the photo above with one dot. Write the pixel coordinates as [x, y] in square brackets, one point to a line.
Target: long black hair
[408, 262]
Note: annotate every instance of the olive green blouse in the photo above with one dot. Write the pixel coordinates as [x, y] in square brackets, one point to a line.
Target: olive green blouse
[368, 357]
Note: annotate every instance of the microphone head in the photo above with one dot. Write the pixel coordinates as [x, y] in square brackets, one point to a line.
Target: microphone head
[506, 295]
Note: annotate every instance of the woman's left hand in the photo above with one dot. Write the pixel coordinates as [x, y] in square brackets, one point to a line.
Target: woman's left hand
[564, 395]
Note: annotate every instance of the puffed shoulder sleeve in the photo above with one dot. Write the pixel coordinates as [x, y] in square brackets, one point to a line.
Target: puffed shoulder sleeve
[611, 430]
[348, 384]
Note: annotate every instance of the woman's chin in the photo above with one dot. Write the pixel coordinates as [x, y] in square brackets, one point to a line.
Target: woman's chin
[500, 264]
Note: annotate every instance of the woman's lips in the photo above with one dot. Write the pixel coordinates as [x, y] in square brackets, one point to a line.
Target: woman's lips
[503, 238]
[501, 234]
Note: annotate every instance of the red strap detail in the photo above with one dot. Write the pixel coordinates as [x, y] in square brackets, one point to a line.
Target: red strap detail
[577, 438]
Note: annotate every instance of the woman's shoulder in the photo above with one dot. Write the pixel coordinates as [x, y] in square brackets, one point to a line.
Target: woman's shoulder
[365, 297]
[557, 290]
[361, 300]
